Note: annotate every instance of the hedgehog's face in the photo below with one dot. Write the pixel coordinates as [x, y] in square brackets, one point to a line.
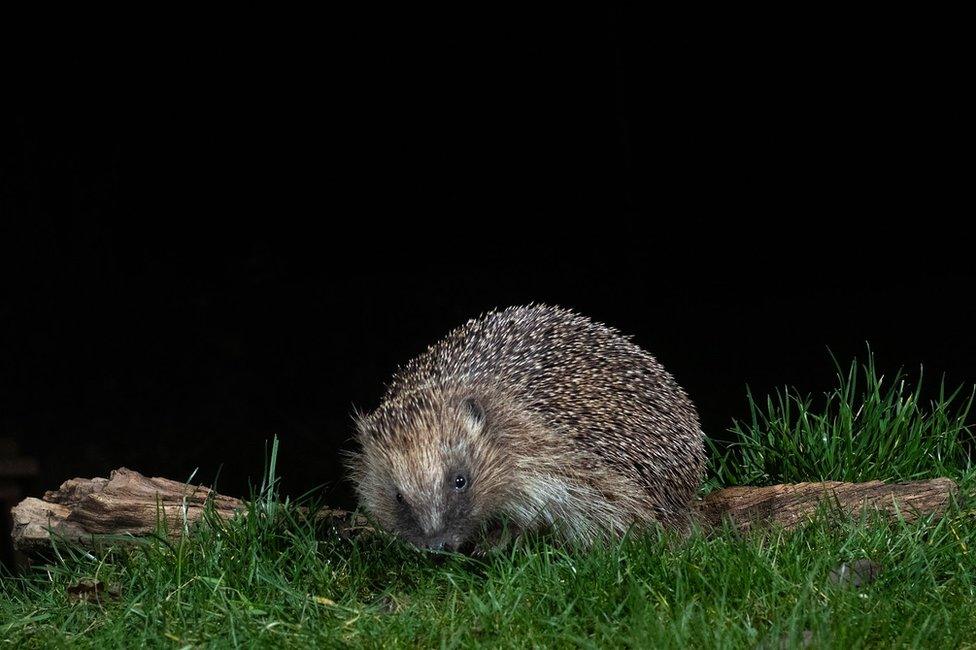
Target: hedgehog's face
[428, 470]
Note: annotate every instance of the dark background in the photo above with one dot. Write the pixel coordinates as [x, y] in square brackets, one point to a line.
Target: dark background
[210, 238]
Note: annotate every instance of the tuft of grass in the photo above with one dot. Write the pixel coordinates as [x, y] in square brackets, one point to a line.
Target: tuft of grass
[869, 427]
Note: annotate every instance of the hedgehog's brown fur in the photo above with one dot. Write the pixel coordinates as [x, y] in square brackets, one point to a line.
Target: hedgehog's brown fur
[552, 420]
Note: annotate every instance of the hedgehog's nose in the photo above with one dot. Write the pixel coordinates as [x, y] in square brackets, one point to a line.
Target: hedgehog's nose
[438, 543]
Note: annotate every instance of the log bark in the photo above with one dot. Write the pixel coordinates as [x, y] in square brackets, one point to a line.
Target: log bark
[130, 504]
[790, 505]
[87, 511]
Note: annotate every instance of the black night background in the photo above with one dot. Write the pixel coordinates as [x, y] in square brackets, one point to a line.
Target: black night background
[212, 241]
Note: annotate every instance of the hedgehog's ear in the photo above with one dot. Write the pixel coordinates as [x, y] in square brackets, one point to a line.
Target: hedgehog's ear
[472, 413]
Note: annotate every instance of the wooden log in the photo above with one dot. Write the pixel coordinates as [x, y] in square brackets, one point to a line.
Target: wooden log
[789, 505]
[128, 503]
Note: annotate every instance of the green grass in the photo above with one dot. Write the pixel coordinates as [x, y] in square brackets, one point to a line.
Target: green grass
[870, 427]
[273, 579]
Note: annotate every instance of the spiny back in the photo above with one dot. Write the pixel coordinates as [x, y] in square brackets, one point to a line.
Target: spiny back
[586, 381]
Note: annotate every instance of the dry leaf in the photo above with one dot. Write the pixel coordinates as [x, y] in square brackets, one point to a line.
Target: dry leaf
[89, 589]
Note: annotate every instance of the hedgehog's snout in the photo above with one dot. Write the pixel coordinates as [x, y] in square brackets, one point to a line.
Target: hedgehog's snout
[441, 541]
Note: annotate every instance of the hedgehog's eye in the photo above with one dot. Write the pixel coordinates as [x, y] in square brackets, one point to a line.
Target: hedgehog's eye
[399, 498]
[460, 482]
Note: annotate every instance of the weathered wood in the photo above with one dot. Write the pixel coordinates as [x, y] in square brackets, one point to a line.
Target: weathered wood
[791, 504]
[128, 503]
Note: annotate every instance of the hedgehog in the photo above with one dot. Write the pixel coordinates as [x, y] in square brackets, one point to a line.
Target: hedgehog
[528, 418]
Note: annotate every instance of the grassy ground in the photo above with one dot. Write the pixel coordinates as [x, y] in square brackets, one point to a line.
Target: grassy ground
[272, 579]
